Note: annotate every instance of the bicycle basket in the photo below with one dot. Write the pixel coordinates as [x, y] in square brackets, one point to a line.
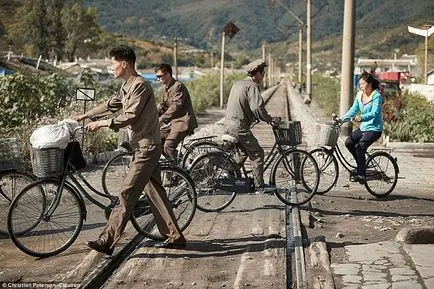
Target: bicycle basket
[288, 133]
[327, 134]
[47, 162]
[9, 154]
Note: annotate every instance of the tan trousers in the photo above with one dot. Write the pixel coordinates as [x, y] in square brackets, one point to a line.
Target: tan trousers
[251, 147]
[171, 141]
[144, 171]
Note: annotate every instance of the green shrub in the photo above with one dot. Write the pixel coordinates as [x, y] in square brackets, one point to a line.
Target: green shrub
[30, 101]
[326, 91]
[413, 121]
[205, 91]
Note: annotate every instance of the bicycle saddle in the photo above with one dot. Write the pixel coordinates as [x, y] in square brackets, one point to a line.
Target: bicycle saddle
[229, 138]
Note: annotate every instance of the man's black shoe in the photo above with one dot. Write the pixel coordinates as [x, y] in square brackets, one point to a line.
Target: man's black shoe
[100, 246]
[360, 179]
[171, 245]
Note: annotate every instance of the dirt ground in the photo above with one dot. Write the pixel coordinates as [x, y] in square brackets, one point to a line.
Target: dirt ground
[349, 215]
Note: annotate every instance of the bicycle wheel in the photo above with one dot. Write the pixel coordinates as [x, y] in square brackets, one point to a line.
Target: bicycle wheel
[328, 169]
[196, 149]
[206, 172]
[44, 220]
[181, 194]
[11, 183]
[296, 177]
[381, 174]
[114, 172]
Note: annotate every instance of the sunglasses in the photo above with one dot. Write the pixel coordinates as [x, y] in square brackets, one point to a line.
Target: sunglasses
[160, 76]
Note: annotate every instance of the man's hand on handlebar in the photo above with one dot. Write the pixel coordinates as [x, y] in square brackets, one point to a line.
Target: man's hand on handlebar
[95, 125]
[275, 120]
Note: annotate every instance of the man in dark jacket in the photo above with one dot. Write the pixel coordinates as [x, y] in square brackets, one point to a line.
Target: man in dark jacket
[177, 118]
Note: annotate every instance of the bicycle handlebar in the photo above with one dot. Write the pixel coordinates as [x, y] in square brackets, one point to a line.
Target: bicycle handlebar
[336, 120]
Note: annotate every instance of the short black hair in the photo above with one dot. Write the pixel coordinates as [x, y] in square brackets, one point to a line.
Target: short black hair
[370, 78]
[124, 52]
[165, 68]
[252, 73]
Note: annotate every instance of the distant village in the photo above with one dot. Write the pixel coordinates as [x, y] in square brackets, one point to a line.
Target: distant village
[395, 74]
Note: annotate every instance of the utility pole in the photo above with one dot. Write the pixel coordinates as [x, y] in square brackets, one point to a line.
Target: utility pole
[222, 69]
[426, 33]
[269, 70]
[264, 58]
[308, 97]
[348, 43]
[300, 40]
[229, 30]
[212, 59]
[175, 57]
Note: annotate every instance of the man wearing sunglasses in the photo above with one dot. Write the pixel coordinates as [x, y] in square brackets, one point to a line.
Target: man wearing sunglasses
[176, 115]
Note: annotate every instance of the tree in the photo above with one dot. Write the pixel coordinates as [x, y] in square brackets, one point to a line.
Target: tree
[30, 27]
[52, 28]
[55, 28]
[80, 27]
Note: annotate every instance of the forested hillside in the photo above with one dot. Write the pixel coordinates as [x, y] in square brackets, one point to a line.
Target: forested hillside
[201, 21]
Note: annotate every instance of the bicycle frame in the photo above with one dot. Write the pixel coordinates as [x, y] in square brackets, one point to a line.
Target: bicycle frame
[270, 158]
[80, 190]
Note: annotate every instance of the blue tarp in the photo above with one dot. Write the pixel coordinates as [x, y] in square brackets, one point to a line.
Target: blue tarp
[5, 71]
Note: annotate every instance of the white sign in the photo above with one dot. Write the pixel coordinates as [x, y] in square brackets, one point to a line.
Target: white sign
[421, 32]
[86, 94]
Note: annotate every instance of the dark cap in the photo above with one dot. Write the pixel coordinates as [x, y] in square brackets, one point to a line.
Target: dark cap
[255, 66]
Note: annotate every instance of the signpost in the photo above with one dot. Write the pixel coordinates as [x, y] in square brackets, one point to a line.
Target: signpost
[426, 33]
[84, 94]
[229, 30]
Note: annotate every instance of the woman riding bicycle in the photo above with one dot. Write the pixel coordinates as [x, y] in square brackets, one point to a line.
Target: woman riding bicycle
[368, 103]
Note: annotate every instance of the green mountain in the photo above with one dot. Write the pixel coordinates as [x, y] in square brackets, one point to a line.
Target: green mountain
[201, 22]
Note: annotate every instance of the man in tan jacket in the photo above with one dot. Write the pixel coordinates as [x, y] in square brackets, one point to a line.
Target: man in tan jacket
[245, 106]
[177, 118]
[140, 116]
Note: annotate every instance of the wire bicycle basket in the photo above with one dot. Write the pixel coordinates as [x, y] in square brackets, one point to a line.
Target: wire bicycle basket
[47, 162]
[9, 154]
[327, 134]
[288, 133]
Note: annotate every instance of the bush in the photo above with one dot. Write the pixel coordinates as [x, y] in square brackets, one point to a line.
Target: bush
[326, 91]
[31, 101]
[205, 91]
[412, 119]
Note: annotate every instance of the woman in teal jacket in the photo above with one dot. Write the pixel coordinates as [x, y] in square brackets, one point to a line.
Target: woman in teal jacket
[366, 109]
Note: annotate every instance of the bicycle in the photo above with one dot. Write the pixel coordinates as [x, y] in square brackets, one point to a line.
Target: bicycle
[220, 175]
[116, 167]
[12, 179]
[381, 168]
[46, 217]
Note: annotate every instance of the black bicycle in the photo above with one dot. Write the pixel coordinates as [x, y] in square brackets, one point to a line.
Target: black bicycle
[117, 167]
[46, 217]
[381, 168]
[12, 179]
[220, 175]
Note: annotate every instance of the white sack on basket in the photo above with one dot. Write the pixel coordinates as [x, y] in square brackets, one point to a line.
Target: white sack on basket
[70, 125]
[50, 136]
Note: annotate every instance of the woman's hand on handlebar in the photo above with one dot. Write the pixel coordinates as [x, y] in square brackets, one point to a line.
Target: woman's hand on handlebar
[357, 118]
